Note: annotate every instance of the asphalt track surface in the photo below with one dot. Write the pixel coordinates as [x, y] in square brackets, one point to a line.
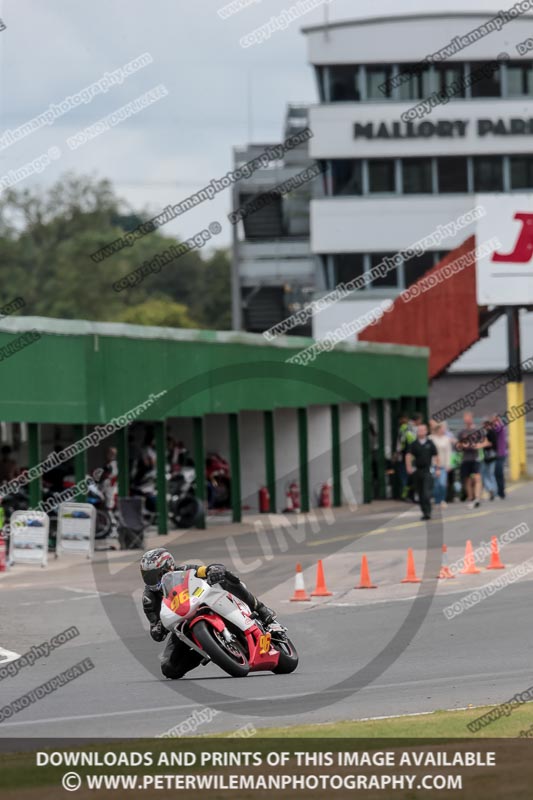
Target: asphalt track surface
[363, 654]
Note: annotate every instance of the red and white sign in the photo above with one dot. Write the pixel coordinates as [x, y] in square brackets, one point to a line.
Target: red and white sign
[505, 276]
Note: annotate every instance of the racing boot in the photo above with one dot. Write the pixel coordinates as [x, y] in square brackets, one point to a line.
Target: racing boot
[266, 615]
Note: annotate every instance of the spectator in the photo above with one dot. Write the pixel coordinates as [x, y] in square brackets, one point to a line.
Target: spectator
[144, 466]
[414, 422]
[443, 443]
[469, 443]
[455, 459]
[423, 453]
[404, 439]
[109, 478]
[501, 454]
[177, 455]
[8, 466]
[488, 465]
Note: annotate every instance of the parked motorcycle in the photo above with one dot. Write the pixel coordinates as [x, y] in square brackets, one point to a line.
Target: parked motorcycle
[184, 507]
[219, 626]
[104, 517]
[145, 487]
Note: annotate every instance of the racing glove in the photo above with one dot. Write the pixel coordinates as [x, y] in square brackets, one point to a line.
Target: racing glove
[157, 632]
[215, 573]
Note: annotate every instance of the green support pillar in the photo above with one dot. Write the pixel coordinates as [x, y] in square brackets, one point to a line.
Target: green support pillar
[235, 462]
[367, 456]
[304, 458]
[80, 462]
[122, 445]
[270, 457]
[394, 406]
[34, 458]
[336, 455]
[421, 404]
[382, 478]
[161, 483]
[410, 406]
[199, 460]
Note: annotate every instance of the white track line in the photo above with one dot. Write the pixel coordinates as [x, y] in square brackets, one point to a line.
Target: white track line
[7, 655]
[474, 677]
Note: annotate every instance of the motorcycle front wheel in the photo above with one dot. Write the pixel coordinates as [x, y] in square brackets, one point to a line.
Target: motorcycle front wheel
[288, 657]
[229, 656]
[103, 524]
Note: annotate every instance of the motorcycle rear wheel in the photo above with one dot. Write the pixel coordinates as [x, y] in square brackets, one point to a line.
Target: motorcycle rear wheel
[229, 657]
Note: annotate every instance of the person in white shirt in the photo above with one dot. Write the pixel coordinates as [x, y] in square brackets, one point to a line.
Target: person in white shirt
[443, 443]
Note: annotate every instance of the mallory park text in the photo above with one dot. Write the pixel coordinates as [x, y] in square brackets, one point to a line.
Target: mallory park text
[443, 128]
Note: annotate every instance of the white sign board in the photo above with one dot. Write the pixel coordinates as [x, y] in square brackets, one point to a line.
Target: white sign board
[76, 526]
[505, 276]
[28, 537]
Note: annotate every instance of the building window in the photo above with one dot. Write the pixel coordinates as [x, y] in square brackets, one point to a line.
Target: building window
[391, 278]
[376, 76]
[452, 174]
[320, 81]
[521, 172]
[449, 78]
[488, 174]
[348, 266]
[344, 84]
[519, 79]
[486, 80]
[415, 83]
[417, 266]
[417, 176]
[347, 176]
[381, 175]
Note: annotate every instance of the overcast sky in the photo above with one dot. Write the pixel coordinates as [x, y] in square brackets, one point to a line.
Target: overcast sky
[53, 48]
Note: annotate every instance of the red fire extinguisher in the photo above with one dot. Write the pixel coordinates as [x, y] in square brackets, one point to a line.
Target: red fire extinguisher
[3, 558]
[264, 500]
[325, 496]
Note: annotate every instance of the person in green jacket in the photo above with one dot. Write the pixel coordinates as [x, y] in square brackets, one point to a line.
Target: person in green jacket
[406, 436]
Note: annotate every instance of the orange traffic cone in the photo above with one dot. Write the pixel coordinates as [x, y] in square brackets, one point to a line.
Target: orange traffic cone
[364, 581]
[299, 588]
[495, 561]
[321, 589]
[445, 571]
[411, 571]
[470, 562]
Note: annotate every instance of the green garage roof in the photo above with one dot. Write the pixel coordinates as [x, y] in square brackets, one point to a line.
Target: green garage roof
[79, 371]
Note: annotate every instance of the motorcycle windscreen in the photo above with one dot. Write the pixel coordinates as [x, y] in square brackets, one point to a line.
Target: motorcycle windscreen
[171, 580]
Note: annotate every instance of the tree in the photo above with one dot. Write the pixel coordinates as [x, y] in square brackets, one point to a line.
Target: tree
[46, 241]
[158, 311]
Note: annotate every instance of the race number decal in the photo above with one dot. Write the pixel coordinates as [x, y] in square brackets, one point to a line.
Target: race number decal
[264, 644]
[179, 600]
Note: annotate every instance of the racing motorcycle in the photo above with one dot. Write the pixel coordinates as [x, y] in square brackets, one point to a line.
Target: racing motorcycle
[221, 628]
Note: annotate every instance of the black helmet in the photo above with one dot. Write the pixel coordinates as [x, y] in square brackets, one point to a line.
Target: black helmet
[154, 564]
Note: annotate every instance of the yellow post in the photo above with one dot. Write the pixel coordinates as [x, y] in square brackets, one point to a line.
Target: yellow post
[522, 438]
[517, 431]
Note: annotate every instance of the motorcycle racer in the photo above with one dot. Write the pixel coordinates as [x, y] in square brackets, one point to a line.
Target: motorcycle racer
[177, 658]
